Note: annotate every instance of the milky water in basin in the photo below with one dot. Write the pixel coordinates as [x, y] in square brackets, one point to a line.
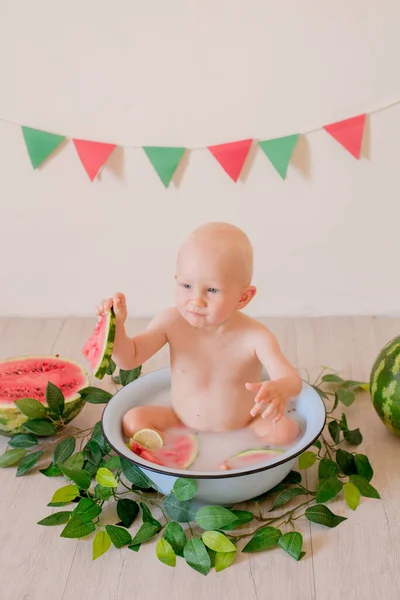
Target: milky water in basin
[216, 448]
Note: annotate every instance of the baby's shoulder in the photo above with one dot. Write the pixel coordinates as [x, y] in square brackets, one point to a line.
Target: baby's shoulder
[255, 329]
[165, 319]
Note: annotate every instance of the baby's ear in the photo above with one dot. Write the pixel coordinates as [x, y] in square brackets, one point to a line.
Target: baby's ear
[247, 295]
[175, 276]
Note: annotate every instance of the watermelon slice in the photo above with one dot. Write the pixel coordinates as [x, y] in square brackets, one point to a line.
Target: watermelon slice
[98, 349]
[178, 453]
[249, 458]
[27, 377]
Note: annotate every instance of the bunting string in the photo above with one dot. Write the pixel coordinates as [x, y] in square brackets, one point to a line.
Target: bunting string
[165, 160]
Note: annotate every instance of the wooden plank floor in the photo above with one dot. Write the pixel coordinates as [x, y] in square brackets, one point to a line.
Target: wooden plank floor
[360, 559]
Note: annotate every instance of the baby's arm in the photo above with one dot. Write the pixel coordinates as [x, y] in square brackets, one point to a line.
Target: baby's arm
[129, 353]
[285, 381]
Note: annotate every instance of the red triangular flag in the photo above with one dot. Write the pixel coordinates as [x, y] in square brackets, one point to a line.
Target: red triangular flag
[348, 133]
[231, 156]
[93, 155]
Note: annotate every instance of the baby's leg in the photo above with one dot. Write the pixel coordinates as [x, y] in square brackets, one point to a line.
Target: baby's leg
[281, 433]
[159, 418]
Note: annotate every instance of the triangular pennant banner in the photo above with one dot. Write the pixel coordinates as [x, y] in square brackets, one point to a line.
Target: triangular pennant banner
[279, 151]
[93, 155]
[232, 156]
[165, 160]
[40, 144]
[349, 133]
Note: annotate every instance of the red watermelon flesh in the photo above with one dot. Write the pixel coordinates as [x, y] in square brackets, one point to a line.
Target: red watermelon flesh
[99, 347]
[178, 453]
[249, 458]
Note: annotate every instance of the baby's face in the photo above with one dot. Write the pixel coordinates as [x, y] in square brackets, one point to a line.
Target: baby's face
[207, 291]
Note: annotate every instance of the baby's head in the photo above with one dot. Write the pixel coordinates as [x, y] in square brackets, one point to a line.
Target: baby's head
[214, 272]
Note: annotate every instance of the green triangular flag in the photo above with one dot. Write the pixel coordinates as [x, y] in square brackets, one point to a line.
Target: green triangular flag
[40, 144]
[279, 151]
[165, 161]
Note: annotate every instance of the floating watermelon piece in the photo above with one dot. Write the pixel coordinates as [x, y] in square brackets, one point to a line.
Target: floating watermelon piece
[251, 457]
[98, 349]
[385, 385]
[27, 377]
[178, 453]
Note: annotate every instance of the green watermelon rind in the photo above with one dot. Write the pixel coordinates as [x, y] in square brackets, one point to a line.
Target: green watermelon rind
[385, 385]
[11, 418]
[104, 363]
[257, 451]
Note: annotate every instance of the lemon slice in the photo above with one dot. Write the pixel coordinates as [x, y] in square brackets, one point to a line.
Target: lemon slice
[148, 438]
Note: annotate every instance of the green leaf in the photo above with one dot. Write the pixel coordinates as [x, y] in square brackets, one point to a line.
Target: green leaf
[293, 477]
[320, 392]
[196, 556]
[129, 376]
[95, 395]
[58, 518]
[346, 462]
[134, 547]
[218, 541]
[118, 535]
[346, 397]
[264, 538]
[88, 509]
[77, 527]
[101, 544]
[214, 517]
[117, 380]
[336, 402]
[113, 463]
[184, 512]
[31, 408]
[351, 495]
[242, 517]
[146, 532]
[327, 468]
[63, 450]
[28, 462]
[111, 367]
[355, 385]
[98, 437]
[365, 488]
[363, 466]
[317, 444]
[75, 461]
[127, 511]
[334, 430]
[11, 457]
[80, 477]
[223, 560]
[353, 438]
[147, 517]
[184, 489]
[331, 378]
[105, 478]
[101, 493]
[93, 453]
[66, 494]
[135, 475]
[176, 537]
[322, 515]
[40, 427]
[165, 553]
[285, 497]
[23, 440]
[292, 543]
[328, 489]
[55, 398]
[307, 459]
[51, 471]
[343, 423]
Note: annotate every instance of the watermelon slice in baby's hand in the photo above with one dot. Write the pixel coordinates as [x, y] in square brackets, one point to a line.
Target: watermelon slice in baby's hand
[98, 349]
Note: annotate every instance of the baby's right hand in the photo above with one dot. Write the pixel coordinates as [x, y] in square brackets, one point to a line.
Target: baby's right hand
[118, 302]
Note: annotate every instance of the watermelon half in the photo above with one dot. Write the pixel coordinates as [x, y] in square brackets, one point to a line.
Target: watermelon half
[385, 385]
[27, 377]
[99, 347]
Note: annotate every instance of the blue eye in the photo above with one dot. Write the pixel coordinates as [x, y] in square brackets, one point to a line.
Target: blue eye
[212, 290]
[186, 286]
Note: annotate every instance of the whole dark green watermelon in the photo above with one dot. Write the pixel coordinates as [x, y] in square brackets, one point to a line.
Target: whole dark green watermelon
[385, 385]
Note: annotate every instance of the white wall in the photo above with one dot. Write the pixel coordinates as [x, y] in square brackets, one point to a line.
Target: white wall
[182, 72]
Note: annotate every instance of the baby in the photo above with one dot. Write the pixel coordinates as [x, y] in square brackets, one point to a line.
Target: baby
[216, 352]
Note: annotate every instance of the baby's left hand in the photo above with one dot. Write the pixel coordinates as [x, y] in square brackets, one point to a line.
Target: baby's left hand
[270, 394]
